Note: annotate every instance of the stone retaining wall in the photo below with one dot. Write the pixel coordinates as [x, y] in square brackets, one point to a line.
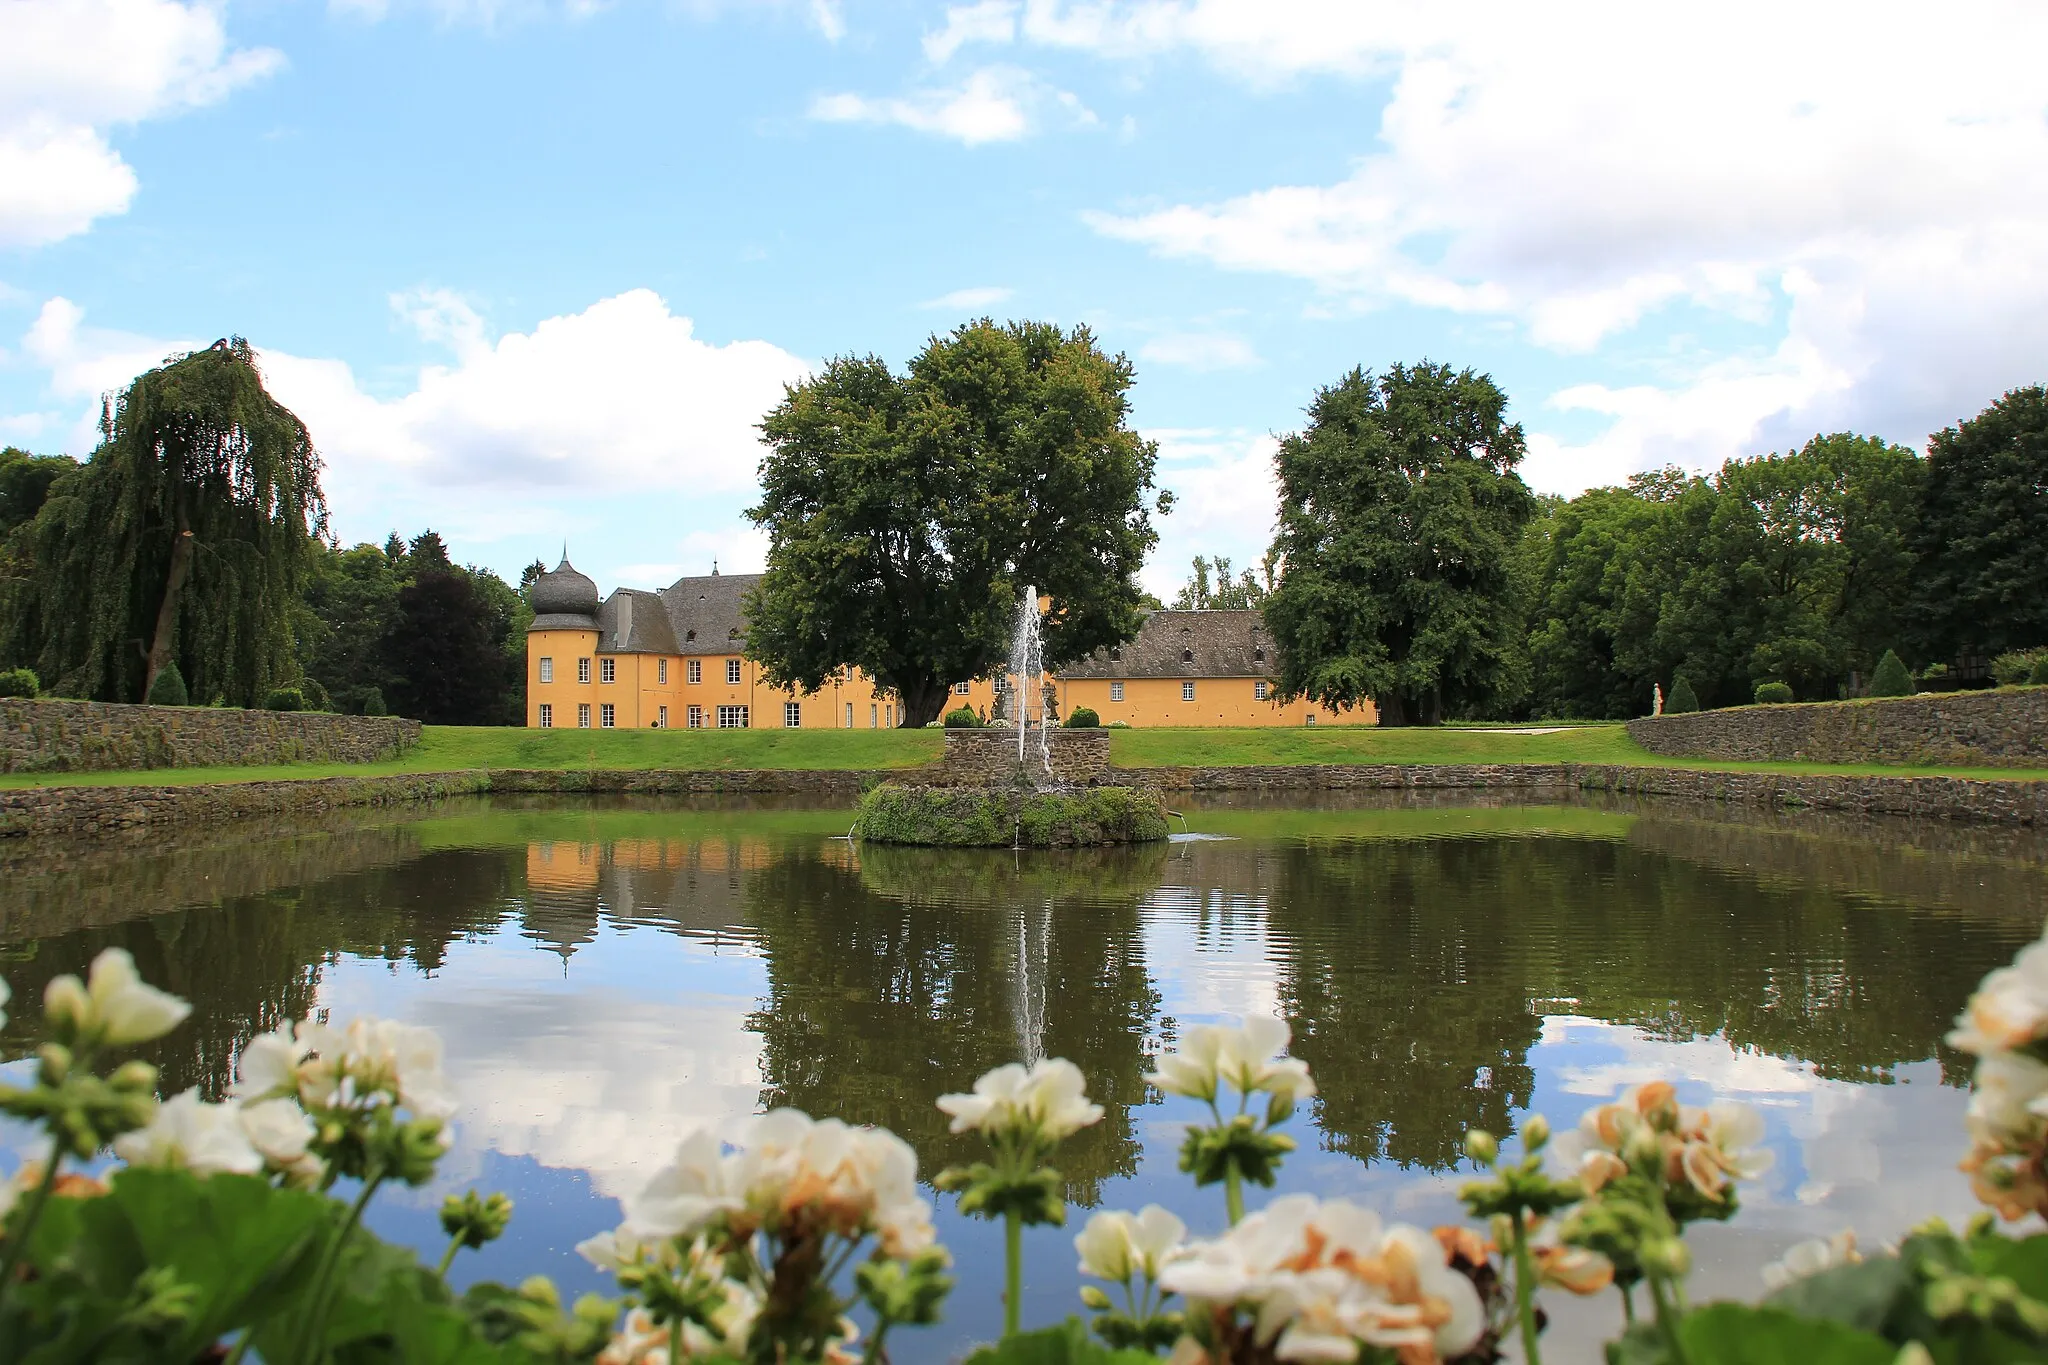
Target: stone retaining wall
[94, 810]
[91, 810]
[48, 735]
[988, 758]
[2006, 728]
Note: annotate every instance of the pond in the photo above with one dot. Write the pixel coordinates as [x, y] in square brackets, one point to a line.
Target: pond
[609, 976]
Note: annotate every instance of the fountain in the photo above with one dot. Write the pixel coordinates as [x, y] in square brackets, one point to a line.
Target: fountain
[995, 789]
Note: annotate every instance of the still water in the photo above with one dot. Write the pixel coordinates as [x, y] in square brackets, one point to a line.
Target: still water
[609, 976]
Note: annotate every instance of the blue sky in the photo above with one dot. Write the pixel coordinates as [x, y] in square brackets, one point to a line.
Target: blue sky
[530, 271]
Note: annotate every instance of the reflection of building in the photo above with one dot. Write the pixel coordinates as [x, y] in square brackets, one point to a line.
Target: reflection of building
[689, 886]
[677, 659]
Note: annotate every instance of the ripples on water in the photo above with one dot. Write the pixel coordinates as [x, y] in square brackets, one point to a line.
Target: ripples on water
[609, 976]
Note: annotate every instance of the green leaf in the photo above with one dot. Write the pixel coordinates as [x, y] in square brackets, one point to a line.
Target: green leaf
[1865, 1295]
[1068, 1343]
[1737, 1334]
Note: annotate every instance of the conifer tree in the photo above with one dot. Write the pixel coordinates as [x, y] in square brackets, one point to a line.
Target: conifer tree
[1891, 678]
[1682, 698]
[169, 688]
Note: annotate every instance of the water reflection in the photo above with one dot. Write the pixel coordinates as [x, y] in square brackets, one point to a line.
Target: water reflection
[609, 976]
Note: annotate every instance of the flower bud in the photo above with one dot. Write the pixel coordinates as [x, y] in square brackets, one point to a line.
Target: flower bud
[1094, 1299]
[1536, 1133]
[56, 1063]
[1644, 1149]
[66, 1005]
[134, 1075]
[1482, 1146]
[1668, 1256]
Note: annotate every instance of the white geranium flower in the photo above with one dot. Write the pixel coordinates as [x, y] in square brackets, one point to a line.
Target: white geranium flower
[114, 1004]
[366, 1062]
[2010, 1008]
[1190, 1070]
[685, 1194]
[191, 1134]
[1049, 1099]
[6, 994]
[269, 1064]
[1810, 1258]
[1115, 1244]
[282, 1134]
[1245, 1056]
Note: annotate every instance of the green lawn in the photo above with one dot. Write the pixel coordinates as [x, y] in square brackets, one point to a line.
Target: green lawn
[458, 748]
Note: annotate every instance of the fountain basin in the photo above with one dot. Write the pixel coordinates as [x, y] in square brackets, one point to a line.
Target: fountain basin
[1010, 816]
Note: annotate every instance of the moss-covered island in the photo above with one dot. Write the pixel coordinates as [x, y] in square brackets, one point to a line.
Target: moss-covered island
[997, 817]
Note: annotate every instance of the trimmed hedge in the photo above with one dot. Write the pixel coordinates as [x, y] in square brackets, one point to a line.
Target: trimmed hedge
[1773, 693]
[986, 817]
[1083, 718]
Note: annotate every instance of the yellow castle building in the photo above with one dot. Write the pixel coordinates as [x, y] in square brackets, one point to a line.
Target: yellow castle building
[677, 659]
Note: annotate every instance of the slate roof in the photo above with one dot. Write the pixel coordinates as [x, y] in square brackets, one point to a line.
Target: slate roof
[1223, 644]
[633, 621]
[705, 612]
[557, 620]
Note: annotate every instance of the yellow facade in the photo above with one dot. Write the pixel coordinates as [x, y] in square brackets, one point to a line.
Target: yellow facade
[647, 691]
[1149, 703]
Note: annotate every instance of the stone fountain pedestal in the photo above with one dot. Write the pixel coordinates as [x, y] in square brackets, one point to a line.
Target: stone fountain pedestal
[979, 796]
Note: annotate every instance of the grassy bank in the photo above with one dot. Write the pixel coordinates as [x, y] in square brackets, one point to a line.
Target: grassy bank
[454, 748]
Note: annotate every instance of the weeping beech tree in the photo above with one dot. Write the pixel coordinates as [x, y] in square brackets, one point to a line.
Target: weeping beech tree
[186, 538]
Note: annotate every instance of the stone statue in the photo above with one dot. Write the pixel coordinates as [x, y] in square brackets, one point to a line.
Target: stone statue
[1656, 699]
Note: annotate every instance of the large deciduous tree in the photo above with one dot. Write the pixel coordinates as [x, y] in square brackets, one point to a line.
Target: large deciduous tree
[1400, 513]
[1983, 575]
[187, 536]
[906, 513]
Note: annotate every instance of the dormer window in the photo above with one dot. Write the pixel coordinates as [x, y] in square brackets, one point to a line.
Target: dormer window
[689, 635]
[1116, 654]
[1187, 656]
[1259, 655]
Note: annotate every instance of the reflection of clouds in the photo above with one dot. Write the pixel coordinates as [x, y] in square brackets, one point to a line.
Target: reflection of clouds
[1707, 1061]
[1209, 953]
[604, 1071]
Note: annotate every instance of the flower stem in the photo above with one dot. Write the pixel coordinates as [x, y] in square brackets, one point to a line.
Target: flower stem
[1525, 1292]
[1233, 1193]
[1667, 1320]
[17, 1245]
[323, 1279]
[675, 1340]
[241, 1346]
[1013, 1270]
[448, 1257]
[1628, 1305]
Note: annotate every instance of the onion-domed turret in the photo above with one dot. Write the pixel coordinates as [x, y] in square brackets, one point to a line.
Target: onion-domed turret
[565, 592]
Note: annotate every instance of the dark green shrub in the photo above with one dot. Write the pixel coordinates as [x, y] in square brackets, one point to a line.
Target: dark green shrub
[1773, 693]
[316, 696]
[169, 688]
[373, 702]
[1891, 678]
[19, 682]
[285, 699]
[1083, 719]
[2039, 677]
[1682, 698]
[962, 718]
[2016, 666]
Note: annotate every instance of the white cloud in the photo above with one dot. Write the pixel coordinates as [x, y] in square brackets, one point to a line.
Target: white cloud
[71, 71]
[991, 21]
[968, 300]
[621, 398]
[994, 104]
[1226, 501]
[1200, 351]
[1577, 169]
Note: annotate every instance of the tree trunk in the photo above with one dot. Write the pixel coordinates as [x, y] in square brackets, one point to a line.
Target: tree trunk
[167, 612]
[922, 702]
[1393, 713]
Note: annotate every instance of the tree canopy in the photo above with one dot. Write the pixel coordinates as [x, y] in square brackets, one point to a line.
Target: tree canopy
[1982, 525]
[906, 514]
[186, 537]
[1400, 512]
[1247, 590]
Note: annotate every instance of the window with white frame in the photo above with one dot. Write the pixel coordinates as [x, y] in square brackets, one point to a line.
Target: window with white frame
[583, 715]
[583, 670]
[661, 718]
[547, 670]
[960, 689]
[874, 717]
[889, 716]
[849, 715]
[694, 718]
[607, 716]
[547, 716]
[1258, 691]
[1116, 691]
[1187, 691]
[607, 670]
[1311, 719]
[694, 671]
[792, 715]
[661, 672]
[732, 672]
[732, 717]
